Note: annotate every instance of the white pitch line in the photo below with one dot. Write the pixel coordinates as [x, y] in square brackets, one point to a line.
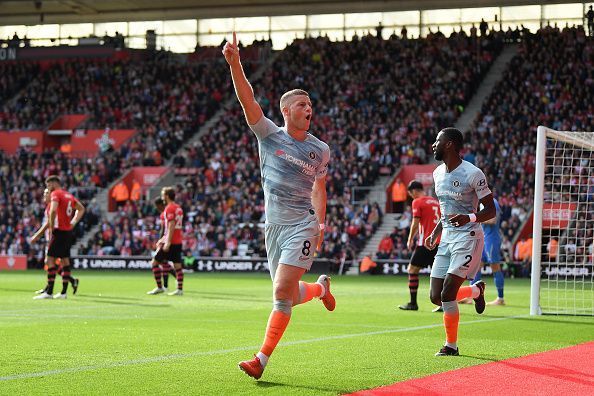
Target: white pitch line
[156, 359]
[98, 317]
[61, 308]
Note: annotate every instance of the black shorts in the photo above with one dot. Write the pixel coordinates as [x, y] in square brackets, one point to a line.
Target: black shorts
[423, 257]
[60, 244]
[174, 254]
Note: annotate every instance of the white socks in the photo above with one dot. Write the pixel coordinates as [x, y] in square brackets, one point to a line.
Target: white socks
[452, 345]
[263, 359]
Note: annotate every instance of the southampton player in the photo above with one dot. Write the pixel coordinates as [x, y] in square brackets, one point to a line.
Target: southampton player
[169, 247]
[164, 268]
[426, 215]
[43, 230]
[459, 186]
[61, 221]
[293, 167]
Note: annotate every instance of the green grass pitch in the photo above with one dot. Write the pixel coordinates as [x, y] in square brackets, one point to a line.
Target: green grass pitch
[112, 338]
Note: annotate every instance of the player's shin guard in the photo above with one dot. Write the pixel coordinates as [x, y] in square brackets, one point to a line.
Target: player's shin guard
[277, 323]
[179, 274]
[157, 275]
[51, 278]
[66, 279]
[451, 317]
[467, 292]
[413, 287]
[307, 291]
[499, 281]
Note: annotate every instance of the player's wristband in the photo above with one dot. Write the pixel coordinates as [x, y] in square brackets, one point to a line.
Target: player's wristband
[472, 217]
[322, 226]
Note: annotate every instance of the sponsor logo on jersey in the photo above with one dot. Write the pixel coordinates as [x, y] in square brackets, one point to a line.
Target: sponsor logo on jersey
[306, 168]
[456, 183]
[453, 194]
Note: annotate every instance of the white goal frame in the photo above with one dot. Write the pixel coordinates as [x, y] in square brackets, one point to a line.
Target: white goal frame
[573, 139]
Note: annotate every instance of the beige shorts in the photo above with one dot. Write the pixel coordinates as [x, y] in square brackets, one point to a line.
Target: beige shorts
[458, 258]
[291, 244]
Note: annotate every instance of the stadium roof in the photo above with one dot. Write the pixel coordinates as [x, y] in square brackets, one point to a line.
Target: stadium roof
[32, 12]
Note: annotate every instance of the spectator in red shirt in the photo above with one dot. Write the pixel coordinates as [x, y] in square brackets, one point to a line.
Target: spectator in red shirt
[385, 248]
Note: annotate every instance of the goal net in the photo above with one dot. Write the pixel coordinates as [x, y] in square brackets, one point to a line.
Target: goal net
[562, 265]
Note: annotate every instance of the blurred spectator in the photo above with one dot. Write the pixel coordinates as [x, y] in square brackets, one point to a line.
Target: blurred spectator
[189, 261]
[136, 191]
[386, 245]
[590, 17]
[483, 27]
[120, 194]
[399, 196]
[549, 82]
[552, 249]
[379, 122]
[378, 30]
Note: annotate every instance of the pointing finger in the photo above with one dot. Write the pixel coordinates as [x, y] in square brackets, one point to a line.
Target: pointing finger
[234, 39]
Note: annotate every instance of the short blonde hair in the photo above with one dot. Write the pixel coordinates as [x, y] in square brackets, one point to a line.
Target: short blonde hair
[169, 192]
[289, 94]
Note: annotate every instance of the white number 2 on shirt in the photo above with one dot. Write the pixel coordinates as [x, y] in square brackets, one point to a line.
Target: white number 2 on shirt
[178, 222]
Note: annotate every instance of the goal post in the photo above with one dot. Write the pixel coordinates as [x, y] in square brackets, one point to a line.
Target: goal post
[562, 276]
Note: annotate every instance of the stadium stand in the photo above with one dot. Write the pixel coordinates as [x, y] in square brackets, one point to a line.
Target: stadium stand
[164, 99]
[21, 189]
[14, 76]
[373, 106]
[549, 82]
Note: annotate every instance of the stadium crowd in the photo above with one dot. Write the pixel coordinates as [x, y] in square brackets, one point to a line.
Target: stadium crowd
[549, 82]
[374, 106]
[15, 76]
[166, 101]
[161, 93]
[21, 190]
[378, 104]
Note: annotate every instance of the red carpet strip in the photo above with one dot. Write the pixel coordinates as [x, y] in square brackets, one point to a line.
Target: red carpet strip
[567, 371]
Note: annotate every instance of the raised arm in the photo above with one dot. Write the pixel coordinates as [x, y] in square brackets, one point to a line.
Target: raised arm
[243, 88]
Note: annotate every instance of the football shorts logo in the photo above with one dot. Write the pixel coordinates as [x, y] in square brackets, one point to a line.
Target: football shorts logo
[456, 183]
[312, 155]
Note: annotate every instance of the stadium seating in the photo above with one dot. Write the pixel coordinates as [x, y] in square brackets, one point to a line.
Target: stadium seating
[21, 190]
[374, 106]
[164, 99]
[549, 82]
[14, 76]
